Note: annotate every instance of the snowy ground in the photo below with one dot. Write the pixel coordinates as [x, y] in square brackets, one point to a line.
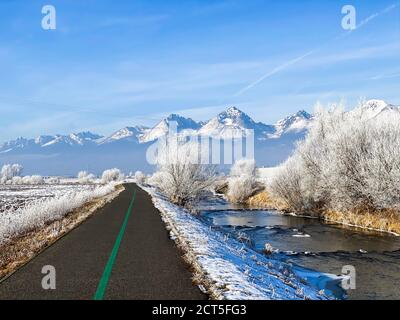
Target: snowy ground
[24, 208]
[13, 197]
[231, 269]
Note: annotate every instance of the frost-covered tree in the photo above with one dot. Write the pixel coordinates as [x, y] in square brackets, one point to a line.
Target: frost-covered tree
[243, 167]
[240, 188]
[85, 177]
[53, 180]
[140, 177]
[112, 175]
[241, 181]
[181, 176]
[8, 171]
[33, 180]
[347, 161]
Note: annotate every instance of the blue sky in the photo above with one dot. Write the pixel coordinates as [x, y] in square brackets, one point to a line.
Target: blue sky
[115, 63]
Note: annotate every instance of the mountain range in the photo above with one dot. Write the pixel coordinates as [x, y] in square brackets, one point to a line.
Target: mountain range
[126, 148]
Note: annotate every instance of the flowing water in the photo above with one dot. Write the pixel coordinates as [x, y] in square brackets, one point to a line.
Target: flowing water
[317, 245]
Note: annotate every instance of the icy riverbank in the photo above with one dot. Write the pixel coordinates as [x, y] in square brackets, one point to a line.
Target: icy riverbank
[227, 268]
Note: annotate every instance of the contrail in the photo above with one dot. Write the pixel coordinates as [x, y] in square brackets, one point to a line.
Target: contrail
[272, 72]
[375, 15]
[293, 61]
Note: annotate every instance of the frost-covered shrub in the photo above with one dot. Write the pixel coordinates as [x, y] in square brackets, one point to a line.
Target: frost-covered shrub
[85, 177]
[242, 182]
[112, 175]
[11, 174]
[287, 185]
[32, 180]
[36, 214]
[140, 177]
[181, 176]
[53, 180]
[8, 171]
[243, 167]
[16, 180]
[156, 178]
[240, 188]
[347, 161]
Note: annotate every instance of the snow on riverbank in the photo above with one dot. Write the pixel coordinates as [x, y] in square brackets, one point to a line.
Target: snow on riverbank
[230, 270]
[42, 211]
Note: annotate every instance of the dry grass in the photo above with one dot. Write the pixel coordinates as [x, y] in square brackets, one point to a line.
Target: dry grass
[20, 250]
[262, 200]
[378, 220]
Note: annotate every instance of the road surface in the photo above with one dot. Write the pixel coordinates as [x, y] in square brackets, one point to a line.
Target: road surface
[122, 252]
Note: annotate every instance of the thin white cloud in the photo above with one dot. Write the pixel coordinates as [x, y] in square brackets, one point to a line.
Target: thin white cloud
[385, 76]
[302, 57]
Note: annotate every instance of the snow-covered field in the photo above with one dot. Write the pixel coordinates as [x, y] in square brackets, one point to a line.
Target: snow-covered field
[24, 208]
[13, 197]
[233, 270]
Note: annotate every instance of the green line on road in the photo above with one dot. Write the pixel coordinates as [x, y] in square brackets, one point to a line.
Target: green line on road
[107, 271]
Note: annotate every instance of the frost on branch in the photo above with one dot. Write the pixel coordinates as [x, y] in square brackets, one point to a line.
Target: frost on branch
[347, 161]
[140, 177]
[85, 177]
[9, 171]
[241, 182]
[112, 175]
[181, 176]
[243, 167]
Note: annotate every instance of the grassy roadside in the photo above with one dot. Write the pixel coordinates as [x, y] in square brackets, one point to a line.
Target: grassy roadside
[378, 220]
[20, 250]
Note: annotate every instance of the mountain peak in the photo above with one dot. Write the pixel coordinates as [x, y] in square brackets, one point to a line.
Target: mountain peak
[375, 107]
[126, 134]
[233, 122]
[183, 123]
[303, 114]
[296, 122]
[298, 116]
[235, 117]
[43, 139]
[174, 117]
[88, 135]
[233, 111]
[375, 104]
[162, 128]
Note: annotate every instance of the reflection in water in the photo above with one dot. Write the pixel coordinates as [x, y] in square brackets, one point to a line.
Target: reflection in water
[320, 246]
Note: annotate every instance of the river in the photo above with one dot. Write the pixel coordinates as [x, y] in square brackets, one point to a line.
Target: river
[316, 245]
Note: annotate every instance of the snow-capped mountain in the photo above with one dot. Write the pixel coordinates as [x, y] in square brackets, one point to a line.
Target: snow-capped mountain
[42, 142]
[183, 126]
[376, 108]
[295, 123]
[126, 148]
[73, 139]
[236, 123]
[127, 134]
[232, 122]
